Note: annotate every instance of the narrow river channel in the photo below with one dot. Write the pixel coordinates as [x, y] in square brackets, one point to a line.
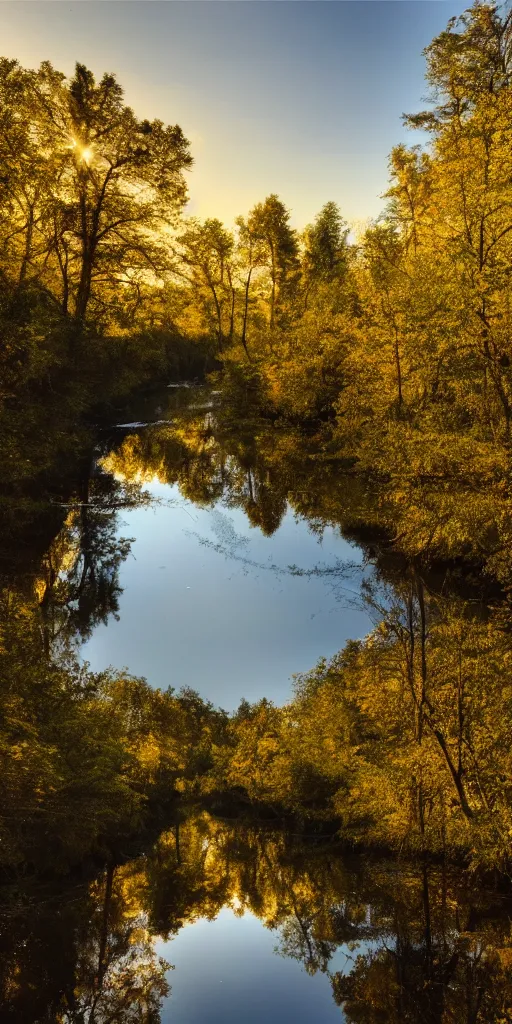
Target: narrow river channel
[223, 559]
[207, 598]
[208, 601]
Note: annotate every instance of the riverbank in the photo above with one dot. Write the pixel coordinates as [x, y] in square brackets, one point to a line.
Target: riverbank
[343, 926]
[395, 739]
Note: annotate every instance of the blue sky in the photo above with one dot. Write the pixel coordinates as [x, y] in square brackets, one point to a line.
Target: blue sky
[299, 98]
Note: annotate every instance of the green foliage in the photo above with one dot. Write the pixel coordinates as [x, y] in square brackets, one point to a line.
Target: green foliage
[325, 257]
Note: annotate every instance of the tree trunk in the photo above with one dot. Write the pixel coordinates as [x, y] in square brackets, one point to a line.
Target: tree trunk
[246, 310]
[28, 248]
[107, 901]
[273, 293]
[218, 311]
[84, 286]
[398, 369]
[232, 311]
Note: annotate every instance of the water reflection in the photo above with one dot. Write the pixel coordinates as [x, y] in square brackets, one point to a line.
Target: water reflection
[392, 943]
[216, 577]
[192, 614]
[403, 741]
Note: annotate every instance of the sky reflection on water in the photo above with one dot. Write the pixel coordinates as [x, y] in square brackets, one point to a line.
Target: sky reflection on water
[193, 616]
[228, 970]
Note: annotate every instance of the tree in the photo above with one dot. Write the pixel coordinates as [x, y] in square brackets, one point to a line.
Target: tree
[94, 188]
[325, 253]
[27, 168]
[251, 255]
[269, 222]
[206, 250]
[468, 68]
[409, 192]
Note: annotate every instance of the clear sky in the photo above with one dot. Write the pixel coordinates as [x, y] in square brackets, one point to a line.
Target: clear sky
[299, 98]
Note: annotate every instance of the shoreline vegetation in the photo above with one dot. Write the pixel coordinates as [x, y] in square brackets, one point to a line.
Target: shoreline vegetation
[354, 921]
[366, 381]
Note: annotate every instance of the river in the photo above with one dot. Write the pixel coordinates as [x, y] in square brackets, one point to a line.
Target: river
[208, 600]
[211, 568]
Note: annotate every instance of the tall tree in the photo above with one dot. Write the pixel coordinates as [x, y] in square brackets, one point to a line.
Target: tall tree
[93, 207]
[250, 257]
[27, 172]
[469, 68]
[206, 250]
[325, 249]
[270, 223]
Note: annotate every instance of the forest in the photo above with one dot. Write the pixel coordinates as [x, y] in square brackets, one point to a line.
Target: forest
[397, 340]
[377, 362]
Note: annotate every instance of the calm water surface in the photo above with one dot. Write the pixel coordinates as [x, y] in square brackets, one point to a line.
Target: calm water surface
[247, 924]
[242, 973]
[207, 602]
[235, 577]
